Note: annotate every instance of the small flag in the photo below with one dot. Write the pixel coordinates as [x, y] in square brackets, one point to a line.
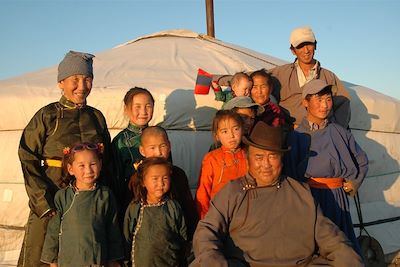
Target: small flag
[203, 82]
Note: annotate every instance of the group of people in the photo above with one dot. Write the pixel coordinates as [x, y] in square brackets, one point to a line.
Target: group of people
[272, 190]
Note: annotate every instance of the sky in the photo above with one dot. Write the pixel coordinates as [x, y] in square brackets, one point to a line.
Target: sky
[357, 40]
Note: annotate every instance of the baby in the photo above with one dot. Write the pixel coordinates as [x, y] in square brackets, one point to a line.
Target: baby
[241, 85]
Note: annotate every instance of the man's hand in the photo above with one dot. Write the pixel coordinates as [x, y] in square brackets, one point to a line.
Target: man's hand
[348, 186]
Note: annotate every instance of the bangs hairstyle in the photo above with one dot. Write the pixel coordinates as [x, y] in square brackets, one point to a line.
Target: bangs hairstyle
[326, 91]
[69, 158]
[136, 184]
[128, 99]
[223, 115]
[265, 74]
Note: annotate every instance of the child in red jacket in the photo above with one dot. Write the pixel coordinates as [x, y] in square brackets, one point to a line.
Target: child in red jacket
[223, 164]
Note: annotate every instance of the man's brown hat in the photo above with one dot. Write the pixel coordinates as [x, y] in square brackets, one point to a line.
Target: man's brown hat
[266, 137]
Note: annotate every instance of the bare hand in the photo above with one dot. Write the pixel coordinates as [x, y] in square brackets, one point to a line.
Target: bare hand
[348, 186]
[51, 213]
[215, 85]
[54, 264]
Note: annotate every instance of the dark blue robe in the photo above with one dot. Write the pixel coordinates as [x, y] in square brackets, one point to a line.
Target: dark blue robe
[329, 152]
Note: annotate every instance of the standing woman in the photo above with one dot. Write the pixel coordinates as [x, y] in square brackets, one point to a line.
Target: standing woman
[336, 163]
[54, 127]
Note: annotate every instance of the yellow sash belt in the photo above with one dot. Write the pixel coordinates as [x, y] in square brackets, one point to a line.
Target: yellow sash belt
[53, 163]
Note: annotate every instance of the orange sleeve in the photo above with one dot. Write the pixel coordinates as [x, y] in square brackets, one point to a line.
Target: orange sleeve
[204, 187]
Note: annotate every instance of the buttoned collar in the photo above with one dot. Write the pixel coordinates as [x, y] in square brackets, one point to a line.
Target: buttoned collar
[312, 127]
[250, 183]
[135, 129]
[315, 127]
[69, 104]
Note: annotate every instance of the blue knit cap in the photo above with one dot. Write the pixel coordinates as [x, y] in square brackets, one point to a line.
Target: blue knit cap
[75, 63]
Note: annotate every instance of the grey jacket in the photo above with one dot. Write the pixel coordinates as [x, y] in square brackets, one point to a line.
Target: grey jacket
[269, 226]
[287, 91]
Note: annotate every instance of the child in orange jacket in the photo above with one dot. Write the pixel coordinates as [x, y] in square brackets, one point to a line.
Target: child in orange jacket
[223, 164]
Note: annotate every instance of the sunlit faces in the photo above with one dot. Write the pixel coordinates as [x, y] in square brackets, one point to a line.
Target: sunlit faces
[155, 145]
[229, 133]
[318, 107]
[140, 111]
[304, 53]
[86, 169]
[248, 116]
[261, 90]
[242, 88]
[264, 166]
[76, 88]
[157, 182]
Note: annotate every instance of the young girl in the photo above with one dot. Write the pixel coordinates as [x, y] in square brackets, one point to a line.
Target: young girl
[139, 105]
[84, 231]
[154, 225]
[223, 164]
[55, 126]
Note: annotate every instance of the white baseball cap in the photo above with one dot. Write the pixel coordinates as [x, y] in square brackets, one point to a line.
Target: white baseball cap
[302, 35]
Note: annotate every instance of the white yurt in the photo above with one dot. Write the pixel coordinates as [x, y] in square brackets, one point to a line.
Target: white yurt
[166, 63]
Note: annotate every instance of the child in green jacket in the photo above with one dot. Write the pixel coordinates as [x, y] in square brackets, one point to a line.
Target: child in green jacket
[84, 231]
[241, 85]
[55, 126]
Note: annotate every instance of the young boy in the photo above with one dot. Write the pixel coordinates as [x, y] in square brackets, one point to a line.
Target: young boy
[241, 85]
[336, 165]
[247, 109]
[154, 142]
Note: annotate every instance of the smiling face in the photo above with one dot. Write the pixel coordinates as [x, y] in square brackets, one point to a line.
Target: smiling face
[318, 107]
[264, 166]
[304, 53]
[86, 169]
[140, 111]
[76, 88]
[261, 90]
[157, 182]
[229, 133]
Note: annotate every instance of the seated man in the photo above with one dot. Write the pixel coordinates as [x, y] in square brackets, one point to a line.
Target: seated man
[268, 219]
